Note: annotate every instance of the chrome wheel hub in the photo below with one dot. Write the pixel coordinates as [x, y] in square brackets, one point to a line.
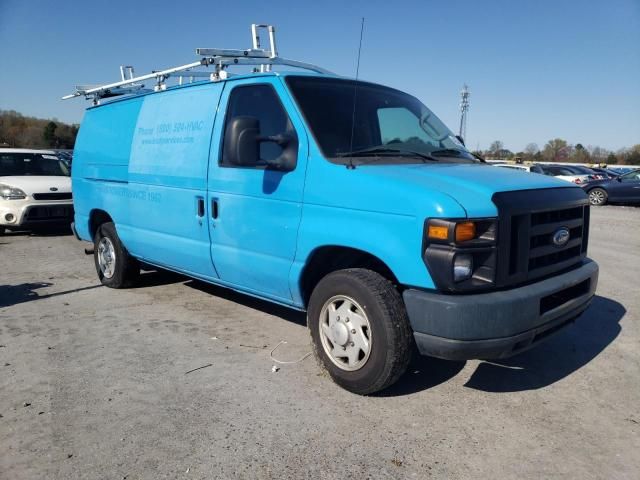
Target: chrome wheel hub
[345, 333]
[596, 197]
[106, 257]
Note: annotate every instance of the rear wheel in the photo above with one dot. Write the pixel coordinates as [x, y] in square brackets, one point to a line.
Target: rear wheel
[597, 196]
[360, 330]
[115, 267]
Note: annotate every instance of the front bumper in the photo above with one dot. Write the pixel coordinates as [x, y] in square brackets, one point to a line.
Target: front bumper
[498, 324]
[28, 213]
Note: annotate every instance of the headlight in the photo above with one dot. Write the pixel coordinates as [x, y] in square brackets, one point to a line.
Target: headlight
[461, 254]
[11, 193]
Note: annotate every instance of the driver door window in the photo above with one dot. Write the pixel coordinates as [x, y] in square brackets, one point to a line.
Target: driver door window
[630, 177]
[260, 102]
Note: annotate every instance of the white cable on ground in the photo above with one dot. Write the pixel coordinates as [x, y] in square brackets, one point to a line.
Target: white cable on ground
[283, 362]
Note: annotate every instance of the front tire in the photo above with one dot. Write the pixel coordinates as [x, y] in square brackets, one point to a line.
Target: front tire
[598, 197]
[360, 330]
[115, 267]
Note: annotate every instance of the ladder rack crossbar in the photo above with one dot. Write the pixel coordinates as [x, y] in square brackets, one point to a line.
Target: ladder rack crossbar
[219, 58]
[130, 81]
[226, 52]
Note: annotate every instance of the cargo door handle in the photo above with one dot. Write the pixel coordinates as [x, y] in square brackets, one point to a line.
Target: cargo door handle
[200, 207]
[214, 208]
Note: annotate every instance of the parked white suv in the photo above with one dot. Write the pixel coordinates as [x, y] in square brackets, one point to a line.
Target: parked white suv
[35, 189]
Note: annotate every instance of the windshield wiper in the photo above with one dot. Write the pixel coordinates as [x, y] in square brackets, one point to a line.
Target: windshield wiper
[447, 152]
[454, 152]
[388, 152]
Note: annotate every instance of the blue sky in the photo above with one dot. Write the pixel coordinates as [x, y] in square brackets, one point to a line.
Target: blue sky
[536, 69]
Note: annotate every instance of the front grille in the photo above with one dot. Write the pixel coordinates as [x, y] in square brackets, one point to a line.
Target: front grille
[52, 196]
[529, 220]
[61, 212]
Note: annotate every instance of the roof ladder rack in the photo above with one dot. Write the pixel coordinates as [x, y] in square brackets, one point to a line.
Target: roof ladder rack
[218, 58]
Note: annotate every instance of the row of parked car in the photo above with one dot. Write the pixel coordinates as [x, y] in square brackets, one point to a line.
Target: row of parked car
[35, 188]
[601, 184]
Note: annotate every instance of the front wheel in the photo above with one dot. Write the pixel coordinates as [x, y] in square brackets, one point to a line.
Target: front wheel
[597, 196]
[115, 267]
[360, 330]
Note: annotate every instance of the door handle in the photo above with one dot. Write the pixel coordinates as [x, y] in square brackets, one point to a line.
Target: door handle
[200, 207]
[214, 208]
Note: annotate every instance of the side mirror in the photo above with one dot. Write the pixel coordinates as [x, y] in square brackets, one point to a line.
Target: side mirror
[619, 178]
[241, 146]
[289, 144]
[242, 141]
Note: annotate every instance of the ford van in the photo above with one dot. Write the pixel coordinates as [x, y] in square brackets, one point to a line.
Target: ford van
[346, 199]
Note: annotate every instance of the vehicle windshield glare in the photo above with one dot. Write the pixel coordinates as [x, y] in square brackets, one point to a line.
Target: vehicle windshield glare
[22, 164]
[387, 126]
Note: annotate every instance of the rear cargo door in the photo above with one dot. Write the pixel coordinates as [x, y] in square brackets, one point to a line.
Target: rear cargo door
[255, 211]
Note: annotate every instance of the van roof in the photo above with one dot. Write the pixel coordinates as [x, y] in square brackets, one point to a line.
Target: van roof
[232, 78]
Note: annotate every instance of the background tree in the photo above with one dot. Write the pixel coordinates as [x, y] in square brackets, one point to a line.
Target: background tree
[530, 150]
[555, 150]
[580, 154]
[49, 134]
[598, 154]
[629, 156]
[19, 131]
[495, 148]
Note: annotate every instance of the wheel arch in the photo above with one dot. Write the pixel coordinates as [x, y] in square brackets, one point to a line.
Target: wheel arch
[330, 258]
[97, 217]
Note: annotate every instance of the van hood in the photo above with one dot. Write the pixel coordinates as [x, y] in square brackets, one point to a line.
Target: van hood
[31, 184]
[470, 185]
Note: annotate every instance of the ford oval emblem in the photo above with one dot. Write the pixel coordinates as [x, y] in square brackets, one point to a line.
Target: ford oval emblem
[53, 189]
[560, 237]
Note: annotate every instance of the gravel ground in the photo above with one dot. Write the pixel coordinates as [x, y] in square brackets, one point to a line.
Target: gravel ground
[94, 384]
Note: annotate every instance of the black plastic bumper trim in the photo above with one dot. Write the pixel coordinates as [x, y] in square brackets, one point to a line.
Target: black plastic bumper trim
[494, 348]
[496, 316]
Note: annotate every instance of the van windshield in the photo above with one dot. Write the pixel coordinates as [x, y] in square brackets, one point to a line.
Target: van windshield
[21, 164]
[388, 126]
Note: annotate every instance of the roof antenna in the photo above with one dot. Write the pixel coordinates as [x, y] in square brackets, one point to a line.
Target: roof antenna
[355, 96]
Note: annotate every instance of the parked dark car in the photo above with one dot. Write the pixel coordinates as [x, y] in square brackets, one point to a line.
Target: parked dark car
[606, 172]
[569, 173]
[623, 189]
[580, 170]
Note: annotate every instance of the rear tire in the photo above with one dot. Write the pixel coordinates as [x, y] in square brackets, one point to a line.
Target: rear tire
[360, 330]
[115, 267]
[598, 197]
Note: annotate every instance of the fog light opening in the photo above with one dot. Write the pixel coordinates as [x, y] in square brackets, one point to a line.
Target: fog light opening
[10, 217]
[462, 267]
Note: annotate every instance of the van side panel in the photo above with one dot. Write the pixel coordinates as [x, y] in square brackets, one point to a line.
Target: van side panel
[168, 212]
[100, 162]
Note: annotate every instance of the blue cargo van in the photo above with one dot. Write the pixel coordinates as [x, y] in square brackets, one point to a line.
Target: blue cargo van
[346, 199]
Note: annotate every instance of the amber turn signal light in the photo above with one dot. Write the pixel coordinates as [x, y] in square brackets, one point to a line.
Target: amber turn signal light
[465, 231]
[438, 232]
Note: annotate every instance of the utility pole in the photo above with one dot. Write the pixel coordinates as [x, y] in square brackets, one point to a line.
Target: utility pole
[464, 107]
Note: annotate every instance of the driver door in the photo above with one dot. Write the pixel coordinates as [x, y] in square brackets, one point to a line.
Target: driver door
[255, 210]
